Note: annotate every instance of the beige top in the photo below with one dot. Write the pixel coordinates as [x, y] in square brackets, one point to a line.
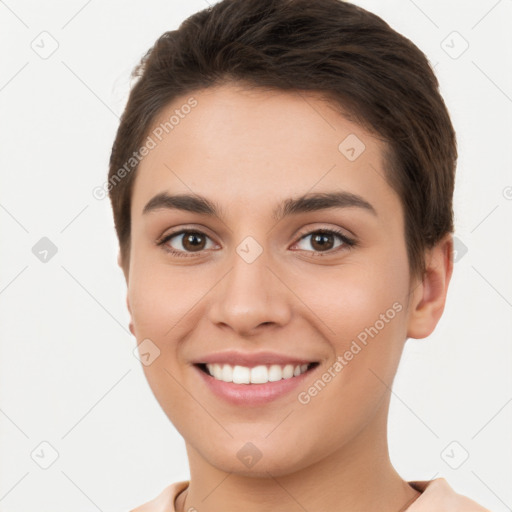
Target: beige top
[436, 495]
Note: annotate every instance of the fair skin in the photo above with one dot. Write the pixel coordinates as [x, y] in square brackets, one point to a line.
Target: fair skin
[248, 151]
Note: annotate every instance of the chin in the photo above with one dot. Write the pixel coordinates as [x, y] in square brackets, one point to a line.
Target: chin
[249, 461]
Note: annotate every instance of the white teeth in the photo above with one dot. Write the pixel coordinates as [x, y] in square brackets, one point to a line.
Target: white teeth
[288, 371]
[241, 375]
[217, 371]
[256, 375]
[259, 375]
[227, 373]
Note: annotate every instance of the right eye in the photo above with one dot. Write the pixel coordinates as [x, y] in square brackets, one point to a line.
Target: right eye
[191, 241]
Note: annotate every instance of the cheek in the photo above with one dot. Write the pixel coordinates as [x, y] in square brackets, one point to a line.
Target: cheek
[365, 312]
[159, 306]
[161, 297]
[158, 309]
[365, 317]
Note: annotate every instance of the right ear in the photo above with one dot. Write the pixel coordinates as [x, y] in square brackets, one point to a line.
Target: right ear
[120, 265]
[131, 319]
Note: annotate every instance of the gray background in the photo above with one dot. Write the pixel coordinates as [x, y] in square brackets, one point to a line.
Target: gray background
[68, 376]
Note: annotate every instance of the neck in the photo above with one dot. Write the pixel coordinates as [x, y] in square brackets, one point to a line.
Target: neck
[356, 477]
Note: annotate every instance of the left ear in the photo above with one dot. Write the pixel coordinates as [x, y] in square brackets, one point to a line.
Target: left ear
[428, 298]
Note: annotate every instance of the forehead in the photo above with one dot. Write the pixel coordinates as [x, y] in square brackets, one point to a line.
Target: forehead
[248, 146]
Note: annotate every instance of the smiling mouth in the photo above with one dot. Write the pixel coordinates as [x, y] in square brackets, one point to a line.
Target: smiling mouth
[260, 374]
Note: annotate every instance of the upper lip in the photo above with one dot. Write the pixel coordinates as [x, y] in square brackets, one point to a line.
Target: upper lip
[250, 359]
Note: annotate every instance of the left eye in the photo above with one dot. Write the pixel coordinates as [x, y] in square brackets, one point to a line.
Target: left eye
[322, 240]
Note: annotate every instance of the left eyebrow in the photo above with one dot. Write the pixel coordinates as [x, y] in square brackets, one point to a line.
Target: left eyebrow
[292, 206]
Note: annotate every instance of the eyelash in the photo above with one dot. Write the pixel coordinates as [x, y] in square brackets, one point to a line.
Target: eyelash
[347, 242]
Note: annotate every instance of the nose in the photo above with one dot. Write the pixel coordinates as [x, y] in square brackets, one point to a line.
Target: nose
[250, 296]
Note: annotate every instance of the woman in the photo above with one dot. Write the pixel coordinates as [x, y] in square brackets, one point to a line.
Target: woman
[282, 184]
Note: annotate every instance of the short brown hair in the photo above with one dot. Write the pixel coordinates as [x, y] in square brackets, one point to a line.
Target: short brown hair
[350, 55]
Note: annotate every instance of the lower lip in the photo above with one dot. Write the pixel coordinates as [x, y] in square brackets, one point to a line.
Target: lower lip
[253, 394]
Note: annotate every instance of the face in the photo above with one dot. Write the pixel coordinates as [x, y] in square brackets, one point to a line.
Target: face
[256, 273]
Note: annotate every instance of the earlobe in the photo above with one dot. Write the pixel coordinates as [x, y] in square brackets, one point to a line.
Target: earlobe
[120, 264]
[131, 319]
[429, 298]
